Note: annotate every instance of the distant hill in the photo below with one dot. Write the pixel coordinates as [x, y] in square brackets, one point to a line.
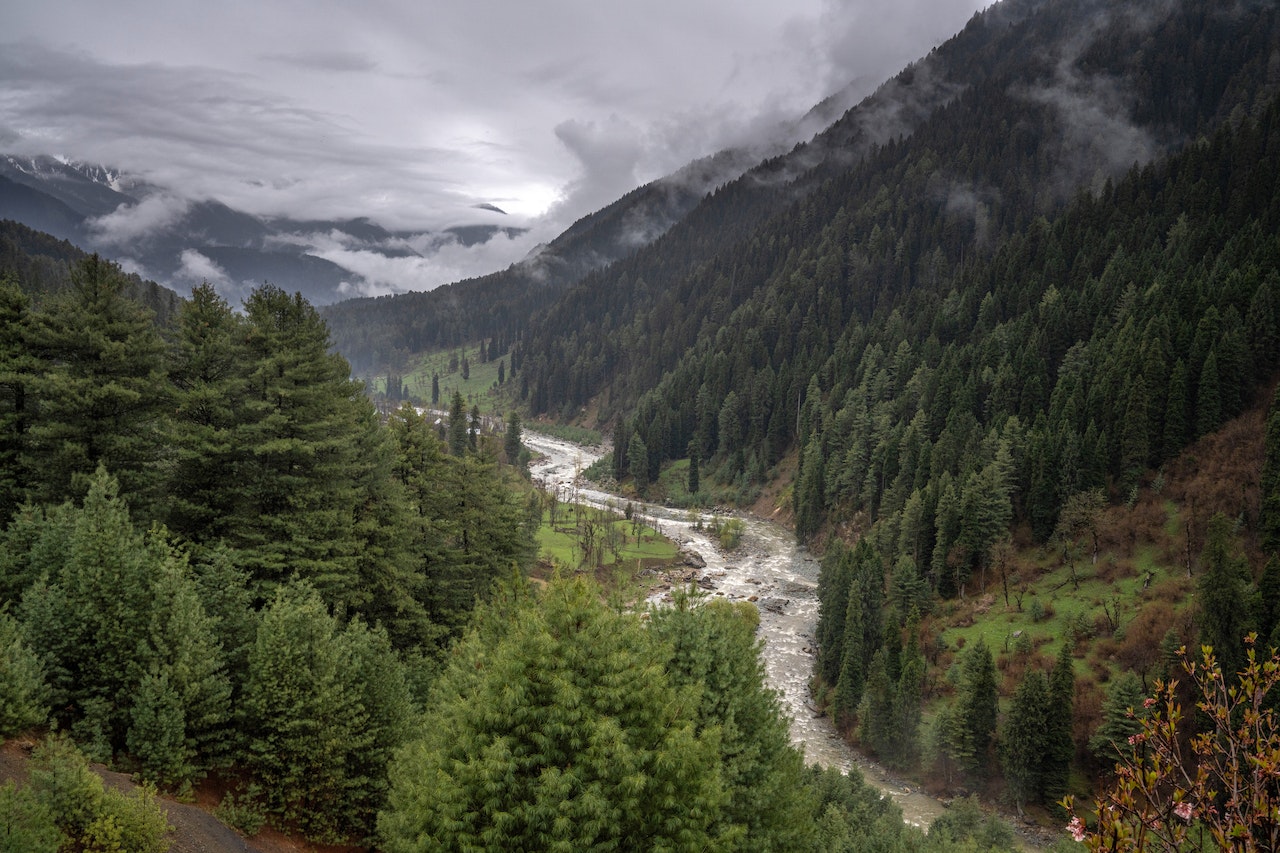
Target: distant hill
[370, 331]
[235, 250]
[41, 264]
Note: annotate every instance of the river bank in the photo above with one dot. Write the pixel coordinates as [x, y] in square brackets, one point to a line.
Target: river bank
[781, 578]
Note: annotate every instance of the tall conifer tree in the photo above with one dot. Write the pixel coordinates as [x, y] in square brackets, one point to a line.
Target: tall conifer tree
[209, 369]
[555, 727]
[99, 389]
[977, 709]
[1023, 741]
[16, 368]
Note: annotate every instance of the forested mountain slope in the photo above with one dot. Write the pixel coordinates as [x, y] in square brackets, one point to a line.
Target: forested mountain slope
[377, 332]
[1039, 98]
[42, 266]
[218, 560]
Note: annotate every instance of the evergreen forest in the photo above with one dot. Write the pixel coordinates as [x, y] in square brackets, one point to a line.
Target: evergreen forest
[1001, 346]
[220, 563]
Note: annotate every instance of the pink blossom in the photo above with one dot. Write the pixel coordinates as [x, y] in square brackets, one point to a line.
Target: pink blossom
[1148, 702]
[1076, 828]
[1183, 810]
[1136, 739]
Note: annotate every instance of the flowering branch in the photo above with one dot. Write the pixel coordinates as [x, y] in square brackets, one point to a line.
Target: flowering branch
[1227, 786]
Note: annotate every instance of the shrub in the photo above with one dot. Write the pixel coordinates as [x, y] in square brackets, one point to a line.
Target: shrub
[243, 815]
[98, 820]
[1036, 610]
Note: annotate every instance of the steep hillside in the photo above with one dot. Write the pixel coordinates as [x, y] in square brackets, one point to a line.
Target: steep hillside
[1020, 111]
[378, 332]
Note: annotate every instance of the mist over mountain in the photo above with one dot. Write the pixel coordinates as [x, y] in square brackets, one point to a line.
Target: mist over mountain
[997, 341]
[788, 283]
[162, 235]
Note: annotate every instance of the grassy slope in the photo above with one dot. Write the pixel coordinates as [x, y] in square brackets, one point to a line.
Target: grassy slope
[479, 388]
[1142, 585]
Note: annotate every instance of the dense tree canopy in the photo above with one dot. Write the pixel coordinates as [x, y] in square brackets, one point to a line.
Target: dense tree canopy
[314, 562]
[556, 727]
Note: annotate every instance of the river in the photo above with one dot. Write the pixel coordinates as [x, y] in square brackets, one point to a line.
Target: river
[783, 576]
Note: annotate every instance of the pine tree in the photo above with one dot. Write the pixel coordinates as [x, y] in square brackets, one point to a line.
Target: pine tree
[24, 696]
[834, 578]
[511, 446]
[950, 742]
[1059, 745]
[1122, 713]
[209, 372]
[466, 528]
[157, 736]
[187, 663]
[1175, 412]
[89, 815]
[224, 593]
[976, 708]
[1023, 740]
[1221, 588]
[91, 619]
[1269, 600]
[909, 698]
[879, 729]
[27, 825]
[122, 611]
[1208, 397]
[638, 461]
[556, 727]
[435, 389]
[306, 481]
[1269, 522]
[301, 720]
[97, 394]
[457, 425]
[851, 679]
[16, 369]
[1135, 443]
[714, 649]
[378, 681]
[382, 588]
[810, 490]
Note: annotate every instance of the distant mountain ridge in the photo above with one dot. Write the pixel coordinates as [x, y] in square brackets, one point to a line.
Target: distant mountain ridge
[82, 203]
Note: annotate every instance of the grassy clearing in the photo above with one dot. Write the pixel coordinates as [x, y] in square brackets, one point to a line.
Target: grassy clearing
[1114, 614]
[612, 547]
[672, 489]
[480, 388]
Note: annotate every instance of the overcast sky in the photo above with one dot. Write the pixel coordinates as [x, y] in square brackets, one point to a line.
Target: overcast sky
[412, 112]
